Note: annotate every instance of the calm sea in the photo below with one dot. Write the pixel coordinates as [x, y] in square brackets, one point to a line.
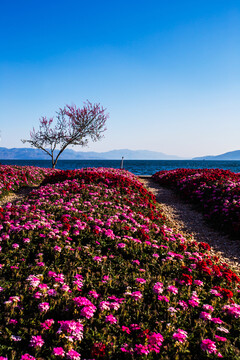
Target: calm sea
[137, 167]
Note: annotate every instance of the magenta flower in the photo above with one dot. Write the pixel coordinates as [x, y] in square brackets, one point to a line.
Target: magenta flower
[94, 294]
[155, 339]
[36, 341]
[58, 351]
[57, 248]
[140, 280]
[73, 355]
[205, 316]
[158, 288]
[209, 346]
[208, 307]
[26, 357]
[121, 245]
[88, 311]
[220, 338]
[136, 295]
[44, 307]
[126, 329]
[163, 298]
[47, 324]
[141, 349]
[110, 318]
[97, 258]
[172, 289]
[217, 320]
[180, 335]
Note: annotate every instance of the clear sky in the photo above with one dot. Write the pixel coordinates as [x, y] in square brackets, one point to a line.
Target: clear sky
[168, 72]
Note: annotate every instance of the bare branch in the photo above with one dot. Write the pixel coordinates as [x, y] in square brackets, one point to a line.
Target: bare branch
[74, 127]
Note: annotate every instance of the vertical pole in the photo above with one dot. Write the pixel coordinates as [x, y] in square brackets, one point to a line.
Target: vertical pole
[122, 163]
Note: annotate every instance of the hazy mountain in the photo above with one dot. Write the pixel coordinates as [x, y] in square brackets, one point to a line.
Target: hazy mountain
[231, 155]
[69, 154]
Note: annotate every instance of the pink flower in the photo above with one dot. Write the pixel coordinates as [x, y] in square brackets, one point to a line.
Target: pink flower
[140, 280]
[36, 341]
[88, 311]
[205, 316]
[163, 298]
[125, 328]
[180, 335]
[58, 351]
[52, 292]
[158, 288]
[121, 245]
[57, 248]
[233, 310]
[198, 282]
[105, 279]
[172, 289]
[208, 307]
[209, 346]
[220, 338]
[73, 355]
[26, 357]
[172, 310]
[136, 295]
[136, 262]
[82, 301]
[97, 258]
[44, 306]
[223, 329]
[155, 339]
[110, 318]
[73, 328]
[183, 304]
[141, 349]
[217, 320]
[94, 294]
[47, 324]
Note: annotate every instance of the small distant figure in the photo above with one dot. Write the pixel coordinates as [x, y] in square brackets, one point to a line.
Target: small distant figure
[122, 163]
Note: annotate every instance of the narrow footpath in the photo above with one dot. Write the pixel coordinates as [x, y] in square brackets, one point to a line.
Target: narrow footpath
[184, 219]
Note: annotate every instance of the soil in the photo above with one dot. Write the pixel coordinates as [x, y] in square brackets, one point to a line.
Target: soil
[185, 219]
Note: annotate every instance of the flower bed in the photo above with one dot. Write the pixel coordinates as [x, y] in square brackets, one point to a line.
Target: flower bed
[89, 270]
[14, 177]
[215, 192]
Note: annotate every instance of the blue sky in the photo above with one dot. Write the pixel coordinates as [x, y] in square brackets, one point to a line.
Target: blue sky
[168, 72]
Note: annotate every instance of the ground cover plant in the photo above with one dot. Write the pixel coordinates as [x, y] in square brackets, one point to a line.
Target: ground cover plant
[215, 192]
[90, 270]
[13, 177]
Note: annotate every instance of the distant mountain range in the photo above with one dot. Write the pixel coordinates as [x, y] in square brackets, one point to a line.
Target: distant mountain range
[231, 155]
[69, 154]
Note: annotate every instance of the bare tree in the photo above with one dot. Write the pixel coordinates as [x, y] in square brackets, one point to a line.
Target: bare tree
[74, 127]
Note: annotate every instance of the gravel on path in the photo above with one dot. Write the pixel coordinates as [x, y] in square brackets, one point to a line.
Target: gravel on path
[192, 224]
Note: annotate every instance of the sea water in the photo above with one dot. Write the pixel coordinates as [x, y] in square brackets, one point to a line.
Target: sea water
[137, 167]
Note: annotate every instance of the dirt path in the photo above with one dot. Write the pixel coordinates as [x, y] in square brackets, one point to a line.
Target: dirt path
[18, 195]
[189, 222]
